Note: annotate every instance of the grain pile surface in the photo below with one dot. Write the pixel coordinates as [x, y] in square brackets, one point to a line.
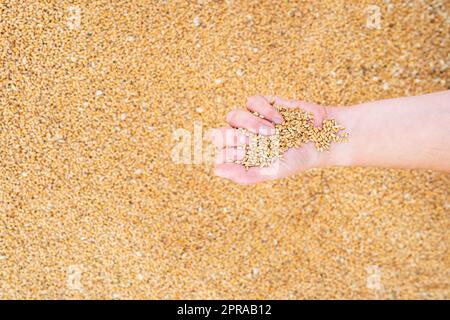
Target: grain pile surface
[92, 205]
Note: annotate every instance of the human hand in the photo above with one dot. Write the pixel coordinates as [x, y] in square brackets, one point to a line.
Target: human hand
[231, 142]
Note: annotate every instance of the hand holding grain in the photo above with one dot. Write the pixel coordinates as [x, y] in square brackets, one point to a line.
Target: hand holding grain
[407, 133]
[264, 118]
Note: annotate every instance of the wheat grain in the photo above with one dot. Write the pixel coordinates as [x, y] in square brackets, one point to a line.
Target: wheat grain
[296, 130]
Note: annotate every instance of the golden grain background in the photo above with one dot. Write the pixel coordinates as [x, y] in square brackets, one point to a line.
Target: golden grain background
[92, 205]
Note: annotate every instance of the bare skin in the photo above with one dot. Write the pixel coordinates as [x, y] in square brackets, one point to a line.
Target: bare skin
[408, 133]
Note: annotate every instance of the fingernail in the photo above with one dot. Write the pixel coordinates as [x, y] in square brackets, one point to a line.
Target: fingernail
[266, 130]
[215, 137]
[240, 153]
[278, 119]
[210, 137]
[242, 139]
[230, 115]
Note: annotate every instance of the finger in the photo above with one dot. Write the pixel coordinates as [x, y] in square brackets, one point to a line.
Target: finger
[227, 137]
[277, 101]
[318, 111]
[230, 155]
[260, 105]
[244, 119]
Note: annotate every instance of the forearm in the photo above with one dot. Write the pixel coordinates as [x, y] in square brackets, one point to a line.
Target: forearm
[411, 132]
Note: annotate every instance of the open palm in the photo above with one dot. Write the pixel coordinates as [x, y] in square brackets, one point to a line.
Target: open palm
[230, 141]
